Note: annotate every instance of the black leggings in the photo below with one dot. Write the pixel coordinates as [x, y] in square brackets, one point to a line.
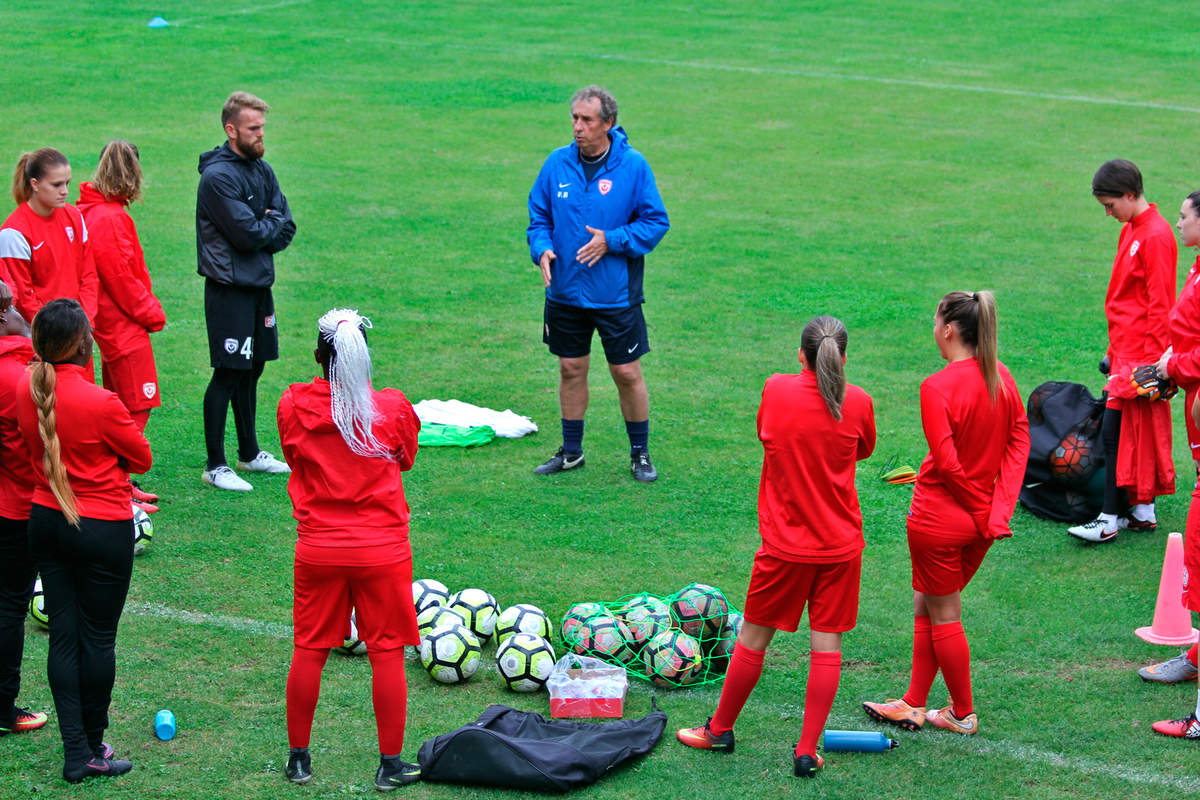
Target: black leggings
[1116, 500]
[16, 587]
[85, 575]
[241, 387]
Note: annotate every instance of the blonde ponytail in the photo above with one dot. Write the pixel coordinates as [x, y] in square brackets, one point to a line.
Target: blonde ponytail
[824, 344]
[41, 387]
[974, 314]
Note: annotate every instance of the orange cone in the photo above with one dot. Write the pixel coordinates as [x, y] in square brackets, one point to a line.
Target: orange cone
[1172, 622]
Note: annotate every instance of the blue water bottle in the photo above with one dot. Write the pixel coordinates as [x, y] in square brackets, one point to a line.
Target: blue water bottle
[164, 725]
[858, 741]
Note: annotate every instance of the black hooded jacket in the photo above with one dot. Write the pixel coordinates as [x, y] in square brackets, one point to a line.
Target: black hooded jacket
[236, 235]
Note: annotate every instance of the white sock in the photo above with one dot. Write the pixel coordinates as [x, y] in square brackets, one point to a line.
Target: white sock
[1109, 520]
[1143, 512]
[1198, 705]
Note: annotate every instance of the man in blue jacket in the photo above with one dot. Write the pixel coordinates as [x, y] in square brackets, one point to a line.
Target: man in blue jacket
[594, 213]
[242, 220]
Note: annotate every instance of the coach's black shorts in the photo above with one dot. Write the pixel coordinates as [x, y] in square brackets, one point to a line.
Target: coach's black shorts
[241, 325]
[568, 331]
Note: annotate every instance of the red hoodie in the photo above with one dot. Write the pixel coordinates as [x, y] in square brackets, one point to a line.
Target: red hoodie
[16, 470]
[350, 509]
[126, 308]
[44, 258]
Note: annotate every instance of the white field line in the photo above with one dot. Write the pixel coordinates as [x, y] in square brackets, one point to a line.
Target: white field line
[175, 23]
[1000, 747]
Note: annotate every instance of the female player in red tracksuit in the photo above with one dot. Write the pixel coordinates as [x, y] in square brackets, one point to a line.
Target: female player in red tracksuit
[17, 570]
[814, 428]
[83, 445]
[348, 445]
[127, 310]
[966, 491]
[1141, 292]
[44, 251]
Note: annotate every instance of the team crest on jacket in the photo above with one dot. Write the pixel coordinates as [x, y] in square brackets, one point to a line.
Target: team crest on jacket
[269, 322]
[1133, 248]
[604, 185]
[231, 346]
[149, 389]
[70, 234]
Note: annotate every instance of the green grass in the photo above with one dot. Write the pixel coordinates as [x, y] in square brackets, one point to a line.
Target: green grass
[815, 157]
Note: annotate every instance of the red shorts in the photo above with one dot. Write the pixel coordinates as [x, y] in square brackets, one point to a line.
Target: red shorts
[380, 596]
[133, 378]
[942, 564]
[780, 589]
[1191, 555]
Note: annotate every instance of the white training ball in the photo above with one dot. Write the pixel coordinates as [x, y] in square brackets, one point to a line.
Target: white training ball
[525, 661]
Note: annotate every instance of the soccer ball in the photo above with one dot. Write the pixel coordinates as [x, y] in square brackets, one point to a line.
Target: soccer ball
[353, 646]
[670, 656]
[143, 531]
[609, 639]
[37, 606]
[699, 610]
[644, 616]
[570, 629]
[428, 592]
[522, 618]
[525, 661]
[437, 617]
[451, 654]
[1072, 458]
[478, 608]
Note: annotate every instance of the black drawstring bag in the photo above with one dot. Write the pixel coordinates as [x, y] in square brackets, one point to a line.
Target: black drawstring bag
[1064, 478]
[522, 750]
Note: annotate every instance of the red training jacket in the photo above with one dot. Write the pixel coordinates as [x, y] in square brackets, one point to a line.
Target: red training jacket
[44, 258]
[100, 444]
[977, 453]
[350, 509]
[1184, 321]
[16, 470]
[807, 505]
[127, 310]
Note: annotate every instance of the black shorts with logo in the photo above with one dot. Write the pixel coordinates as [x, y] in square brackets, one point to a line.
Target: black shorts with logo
[567, 330]
[241, 325]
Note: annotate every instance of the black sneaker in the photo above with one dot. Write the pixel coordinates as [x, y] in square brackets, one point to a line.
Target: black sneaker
[560, 462]
[641, 467]
[807, 766]
[299, 766]
[394, 773]
[95, 768]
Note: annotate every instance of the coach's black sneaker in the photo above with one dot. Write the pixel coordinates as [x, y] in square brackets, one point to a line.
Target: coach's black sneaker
[299, 766]
[560, 462]
[96, 767]
[641, 467]
[394, 773]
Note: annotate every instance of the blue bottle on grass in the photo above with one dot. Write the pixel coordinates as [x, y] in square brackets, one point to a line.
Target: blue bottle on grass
[164, 725]
[858, 741]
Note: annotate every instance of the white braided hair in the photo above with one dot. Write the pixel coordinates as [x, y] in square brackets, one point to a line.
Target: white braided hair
[351, 404]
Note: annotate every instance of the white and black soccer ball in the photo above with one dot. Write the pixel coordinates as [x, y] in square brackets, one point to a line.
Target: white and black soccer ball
[437, 617]
[353, 646]
[143, 531]
[525, 661]
[478, 608]
[428, 592]
[37, 606]
[451, 654]
[522, 618]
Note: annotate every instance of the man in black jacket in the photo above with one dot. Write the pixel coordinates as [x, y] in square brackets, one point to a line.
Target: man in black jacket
[242, 220]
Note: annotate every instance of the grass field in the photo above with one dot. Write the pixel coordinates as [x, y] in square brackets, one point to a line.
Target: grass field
[815, 157]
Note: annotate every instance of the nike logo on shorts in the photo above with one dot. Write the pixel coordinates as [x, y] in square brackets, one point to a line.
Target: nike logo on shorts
[635, 347]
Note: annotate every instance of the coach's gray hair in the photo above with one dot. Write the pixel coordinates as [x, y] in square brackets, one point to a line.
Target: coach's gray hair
[349, 363]
[608, 103]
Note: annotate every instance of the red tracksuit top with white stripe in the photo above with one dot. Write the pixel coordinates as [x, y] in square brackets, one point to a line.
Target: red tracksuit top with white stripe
[1141, 290]
[100, 444]
[44, 258]
[971, 477]
[1184, 321]
[807, 505]
[349, 509]
[16, 470]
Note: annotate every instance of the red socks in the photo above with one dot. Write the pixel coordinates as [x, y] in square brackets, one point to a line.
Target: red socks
[824, 671]
[303, 688]
[954, 657]
[745, 667]
[924, 666]
[389, 693]
[1192, 653]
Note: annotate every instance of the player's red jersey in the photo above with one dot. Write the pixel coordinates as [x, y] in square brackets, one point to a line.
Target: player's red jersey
[126, 307]
[16, 470]
[100, 444]
[977, 453]
[350, 509]
[44, 258]
[807, 505]
[1184, 322]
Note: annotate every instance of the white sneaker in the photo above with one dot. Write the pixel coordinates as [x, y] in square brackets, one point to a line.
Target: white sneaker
[224, 478]
[1098, 530]
[265, 462]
